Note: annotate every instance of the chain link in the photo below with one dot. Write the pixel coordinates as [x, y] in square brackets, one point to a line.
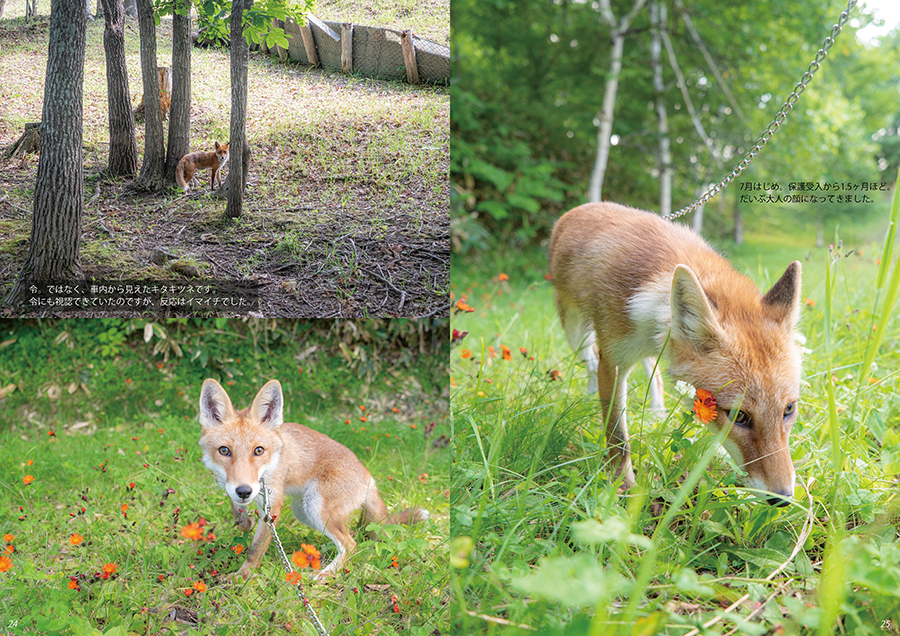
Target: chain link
[267, 518]
[775, 123]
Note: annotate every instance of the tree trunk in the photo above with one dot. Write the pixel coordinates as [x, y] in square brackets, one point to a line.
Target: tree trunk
[697, 221]
[59, 186]
[131, 8]
[617, 29]
[239, 150]
[122, 144]
[604, 132]
[664, 157]
[180, 113]
[2, 7]
[151, 177]
[738, 224]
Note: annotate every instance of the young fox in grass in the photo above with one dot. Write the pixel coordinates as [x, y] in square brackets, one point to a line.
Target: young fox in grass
[327, 481]
[189, 164]
[625, 280]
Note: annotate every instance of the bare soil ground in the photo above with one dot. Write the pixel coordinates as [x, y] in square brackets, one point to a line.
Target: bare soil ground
[347, 206]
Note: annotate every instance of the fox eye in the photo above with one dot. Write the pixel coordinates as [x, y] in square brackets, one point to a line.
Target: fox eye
[790, 409]
[224, 450]
[742, 418]
[259, 450]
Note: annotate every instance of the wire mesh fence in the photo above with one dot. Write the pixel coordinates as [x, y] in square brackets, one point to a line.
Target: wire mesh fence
[365, 50]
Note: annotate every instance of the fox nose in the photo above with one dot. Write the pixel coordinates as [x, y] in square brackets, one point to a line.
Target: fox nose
[780, 499]
[243, 491]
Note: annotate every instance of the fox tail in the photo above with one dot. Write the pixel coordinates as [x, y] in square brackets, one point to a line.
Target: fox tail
[179, 174]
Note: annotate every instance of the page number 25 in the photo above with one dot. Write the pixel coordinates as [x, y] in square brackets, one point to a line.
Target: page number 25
[886, 624]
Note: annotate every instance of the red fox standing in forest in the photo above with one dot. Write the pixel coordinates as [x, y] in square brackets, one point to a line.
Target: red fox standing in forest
[629, 283]
[190, 163]
[328, 483]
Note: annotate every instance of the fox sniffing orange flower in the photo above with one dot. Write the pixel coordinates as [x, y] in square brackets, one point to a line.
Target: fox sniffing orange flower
[705, 406]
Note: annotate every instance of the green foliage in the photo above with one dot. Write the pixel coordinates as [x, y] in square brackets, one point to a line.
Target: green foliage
[215, 16]
[529, 83]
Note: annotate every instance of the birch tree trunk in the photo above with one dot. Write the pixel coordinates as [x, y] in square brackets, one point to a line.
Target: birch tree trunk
[122, 144]
[239, 151]
[618, 28]
[180, 113]
[59, 186]
[151, 177]
[604, 132]
[664, 155]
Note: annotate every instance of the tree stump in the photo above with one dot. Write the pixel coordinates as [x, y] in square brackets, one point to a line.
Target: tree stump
[30, 141]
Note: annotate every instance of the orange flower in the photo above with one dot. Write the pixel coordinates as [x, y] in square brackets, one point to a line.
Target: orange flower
[27, 479]
[10, 549]
[29, 462]
[192, 531]
[124, 508]
[492, 352]
[502, 276]
[75, 539]
[705, 406]
[395, 563]
[396, 608]
[506, 353]
[523, 351]
[188, 592]
[108, 569]
[363, 419]
[9, 537]
[466, 353]
[293, 577]
[237, 549]
[462, 306]
[5, 564]
[308, 556]
[73, 584]
[810, 302]
[423, 478]
[200, 586]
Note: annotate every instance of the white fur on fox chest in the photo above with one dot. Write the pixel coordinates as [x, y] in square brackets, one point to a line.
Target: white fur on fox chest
[650, 311]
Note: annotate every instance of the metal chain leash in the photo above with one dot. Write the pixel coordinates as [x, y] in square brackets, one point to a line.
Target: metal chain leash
[284, 560]
[775, 123]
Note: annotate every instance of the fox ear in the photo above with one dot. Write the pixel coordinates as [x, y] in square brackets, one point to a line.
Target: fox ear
[693, 320]
[782, 302]
[268, 405]
[214, 404]
[217, 145]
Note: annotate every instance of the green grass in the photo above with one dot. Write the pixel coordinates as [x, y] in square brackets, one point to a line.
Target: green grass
[124, 432]
[429, 19]
[542, 541]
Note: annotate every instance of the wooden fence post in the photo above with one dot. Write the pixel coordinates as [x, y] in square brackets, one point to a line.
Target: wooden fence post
[309, 44]
[347, 48]
[409, 57]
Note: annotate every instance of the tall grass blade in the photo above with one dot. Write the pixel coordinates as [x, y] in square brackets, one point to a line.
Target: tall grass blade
[889, 299]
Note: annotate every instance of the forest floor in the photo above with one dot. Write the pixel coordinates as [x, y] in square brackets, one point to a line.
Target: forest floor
[346, 211]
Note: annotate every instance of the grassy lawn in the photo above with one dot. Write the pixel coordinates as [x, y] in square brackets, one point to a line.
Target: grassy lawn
[542, 541]
[346, 208]
[429, 19]
[105, 424]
